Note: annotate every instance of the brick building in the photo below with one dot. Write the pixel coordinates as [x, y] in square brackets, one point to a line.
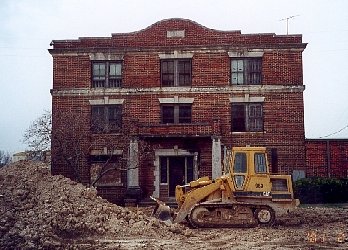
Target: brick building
[163, 105]
[327, 158]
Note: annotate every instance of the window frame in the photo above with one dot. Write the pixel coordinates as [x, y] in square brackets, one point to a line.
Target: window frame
[250, 73]
[260, 163]
[252, 122]
[111, 118]
[164, 166]
[177, 118]
[110, 80]
[175, 73]
[240, 164]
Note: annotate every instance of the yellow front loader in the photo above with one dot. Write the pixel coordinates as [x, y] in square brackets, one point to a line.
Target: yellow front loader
[246, 195]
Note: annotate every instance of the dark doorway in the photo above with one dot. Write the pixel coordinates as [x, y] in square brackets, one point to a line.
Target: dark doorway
[176, 170]
[176, 173]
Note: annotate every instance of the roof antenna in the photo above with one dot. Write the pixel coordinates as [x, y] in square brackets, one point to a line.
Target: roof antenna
[287, 22]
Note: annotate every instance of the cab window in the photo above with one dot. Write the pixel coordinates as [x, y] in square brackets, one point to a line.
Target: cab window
[260, 163]
[239, 165]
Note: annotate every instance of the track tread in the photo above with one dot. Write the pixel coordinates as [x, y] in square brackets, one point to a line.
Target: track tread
[220, 205]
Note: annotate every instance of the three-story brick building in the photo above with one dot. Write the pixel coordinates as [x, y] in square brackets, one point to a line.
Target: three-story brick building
[162, 106]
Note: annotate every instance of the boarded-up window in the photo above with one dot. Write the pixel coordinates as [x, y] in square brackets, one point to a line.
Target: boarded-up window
[246, 71]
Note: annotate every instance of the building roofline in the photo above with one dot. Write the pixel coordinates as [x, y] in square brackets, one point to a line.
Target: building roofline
[163, 23]
[175, 19]
[326, 139]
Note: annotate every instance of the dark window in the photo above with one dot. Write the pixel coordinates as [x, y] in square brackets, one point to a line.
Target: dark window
[106, 118]
[246, 70]
[240, 163]
[168, 114]
[176, 72]
[164, 169]
[247, 117]
[167, 71]
[178, 113]
[184, 113]
[106, 74]
[189, 170]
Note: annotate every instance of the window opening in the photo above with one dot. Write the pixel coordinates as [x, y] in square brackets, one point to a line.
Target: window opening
[176, 72]
[246, 71]
[247, 117]
[179, 113]
[106, 74]
[106, 118]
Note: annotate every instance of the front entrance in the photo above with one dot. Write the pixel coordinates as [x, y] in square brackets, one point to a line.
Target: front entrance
[175, 170]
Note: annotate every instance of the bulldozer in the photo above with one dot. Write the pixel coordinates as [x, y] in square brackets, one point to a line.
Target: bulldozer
[246, 195]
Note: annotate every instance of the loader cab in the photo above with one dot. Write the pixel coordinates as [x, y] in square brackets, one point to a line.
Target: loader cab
[249, 169]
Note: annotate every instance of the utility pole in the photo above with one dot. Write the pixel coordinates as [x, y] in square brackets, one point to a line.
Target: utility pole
[287, 22]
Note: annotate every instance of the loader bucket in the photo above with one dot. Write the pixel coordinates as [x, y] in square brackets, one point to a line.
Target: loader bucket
[162, 211]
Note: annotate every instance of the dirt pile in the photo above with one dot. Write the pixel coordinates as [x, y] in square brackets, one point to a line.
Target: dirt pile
[38, 210]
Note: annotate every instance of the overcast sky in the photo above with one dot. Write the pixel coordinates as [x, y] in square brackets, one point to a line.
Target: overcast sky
[28, 26]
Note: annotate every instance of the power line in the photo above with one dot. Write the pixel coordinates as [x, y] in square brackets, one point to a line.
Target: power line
[338, 131]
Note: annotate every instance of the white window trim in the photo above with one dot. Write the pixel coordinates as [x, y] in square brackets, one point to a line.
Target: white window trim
[106, 101]
[175, 55]
[245, 53]
[247, 98]
[100, 56]
[176, 100]
[106, 151]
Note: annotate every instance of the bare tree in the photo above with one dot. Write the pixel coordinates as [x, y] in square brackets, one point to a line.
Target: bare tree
[111, 165]
[80, 139]
[38, 135]
[70, 141]
[5, 158]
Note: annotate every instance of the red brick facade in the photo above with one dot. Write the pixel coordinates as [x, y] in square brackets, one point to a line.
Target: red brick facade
[327, 158]
[200, 144]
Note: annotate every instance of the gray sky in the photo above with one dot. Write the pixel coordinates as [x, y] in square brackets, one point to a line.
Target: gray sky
[28, 26]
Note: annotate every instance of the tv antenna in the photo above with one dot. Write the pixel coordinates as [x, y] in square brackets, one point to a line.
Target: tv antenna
[287, 22]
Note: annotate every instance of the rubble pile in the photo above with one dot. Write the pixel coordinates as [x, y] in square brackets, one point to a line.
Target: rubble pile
[38, 210]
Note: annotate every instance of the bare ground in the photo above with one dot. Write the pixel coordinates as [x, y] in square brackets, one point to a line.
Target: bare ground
[40, 211]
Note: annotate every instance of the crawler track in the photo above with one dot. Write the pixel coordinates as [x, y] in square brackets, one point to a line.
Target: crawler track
[211, 215]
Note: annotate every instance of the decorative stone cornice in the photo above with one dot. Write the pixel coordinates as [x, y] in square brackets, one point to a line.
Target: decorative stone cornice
[240, 89]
